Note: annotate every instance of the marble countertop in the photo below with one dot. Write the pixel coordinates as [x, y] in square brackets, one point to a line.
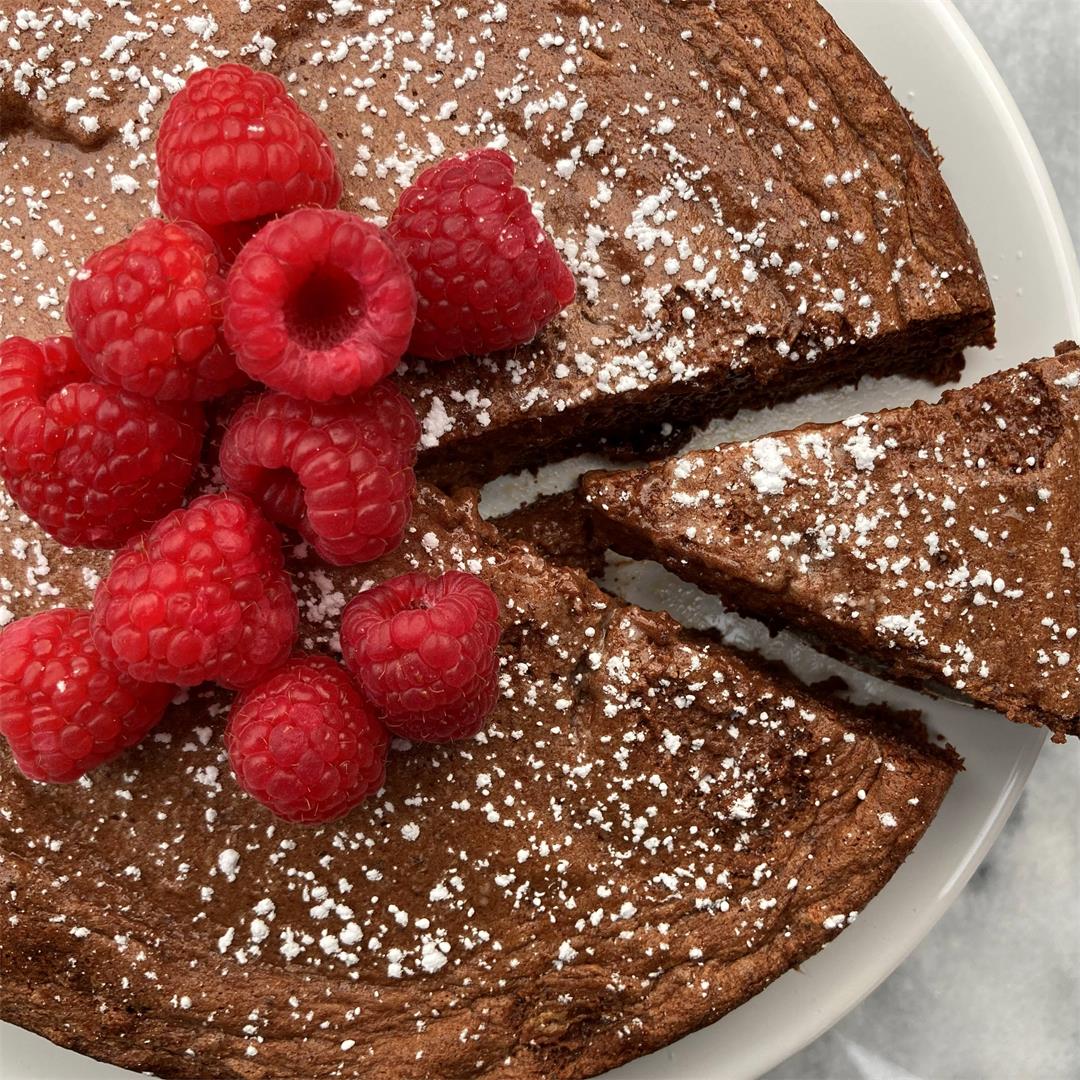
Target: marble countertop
[994, 990]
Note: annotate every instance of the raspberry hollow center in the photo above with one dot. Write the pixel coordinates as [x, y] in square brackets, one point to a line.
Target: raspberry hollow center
[325, 310]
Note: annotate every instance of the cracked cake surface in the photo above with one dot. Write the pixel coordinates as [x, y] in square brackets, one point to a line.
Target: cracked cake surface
[650, 829]
[940, 540]
[748, 212]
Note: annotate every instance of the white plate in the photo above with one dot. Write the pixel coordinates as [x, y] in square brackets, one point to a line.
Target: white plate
[939, 71]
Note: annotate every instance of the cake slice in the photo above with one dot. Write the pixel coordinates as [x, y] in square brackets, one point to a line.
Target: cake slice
[650, 830]
[749, 213]
[939, 541]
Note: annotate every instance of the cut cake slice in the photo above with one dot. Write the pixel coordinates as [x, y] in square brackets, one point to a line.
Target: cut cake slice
[651, 829]
[939, 540]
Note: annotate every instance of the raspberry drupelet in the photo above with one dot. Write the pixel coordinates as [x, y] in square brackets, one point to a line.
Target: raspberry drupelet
[424, 652]
[305, 743]
[91, 464]
[63, 709]
[146, 314]
[202, 595]
[320, 304]
[487, 275]
[234, 150]
[340, 473]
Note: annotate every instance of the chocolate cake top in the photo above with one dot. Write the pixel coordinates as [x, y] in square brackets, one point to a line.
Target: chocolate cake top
[650, 829]
[941, 540]
[733, 185]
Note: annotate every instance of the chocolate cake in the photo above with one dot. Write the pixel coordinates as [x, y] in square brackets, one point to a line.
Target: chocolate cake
[748, 212]
[560, 527]
[941, 541]
[650, 829]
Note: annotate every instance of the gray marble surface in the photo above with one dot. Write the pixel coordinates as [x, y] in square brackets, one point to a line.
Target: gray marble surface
[994, 991]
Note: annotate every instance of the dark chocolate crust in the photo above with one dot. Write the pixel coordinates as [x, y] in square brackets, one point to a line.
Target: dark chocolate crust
[941, 541]
[749, 213]
[651, 829]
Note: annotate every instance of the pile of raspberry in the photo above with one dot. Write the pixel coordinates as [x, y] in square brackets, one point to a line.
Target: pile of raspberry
[257, 309]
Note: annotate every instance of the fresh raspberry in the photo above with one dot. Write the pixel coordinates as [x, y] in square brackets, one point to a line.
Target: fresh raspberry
[487, 275]
[63, 710]
[305, 743]
[203, 595]
[320, 304]
[234, 147]
[91, 464]
[231, 238]
[340, 473]
[423, 650]
[146, 313]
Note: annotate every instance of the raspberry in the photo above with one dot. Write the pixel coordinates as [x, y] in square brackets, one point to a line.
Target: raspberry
[487, 275]
[202, 595]
[231, 238]
[91, 464]
[340, 473]
[63, 710]
[320, 304]
[305, 743]
[423, 650]
[234, 147]
[145, 314]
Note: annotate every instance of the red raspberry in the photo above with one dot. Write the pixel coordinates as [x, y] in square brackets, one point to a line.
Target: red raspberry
[424, 652]
[63, 710]
[146, 314]
[305, 743]
[340, 473]
[234, 147]
[91, 464]
[203, 595]
[487, 275]
[230, 239]
[320, 305]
